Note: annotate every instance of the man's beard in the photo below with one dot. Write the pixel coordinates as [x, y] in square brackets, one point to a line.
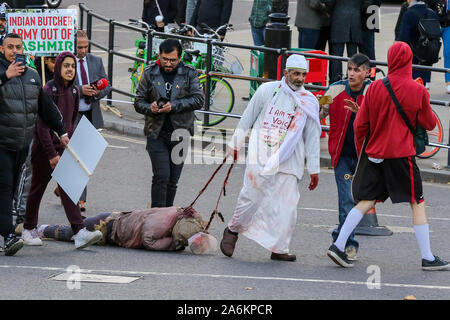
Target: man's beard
[294, 86]
[2, 30]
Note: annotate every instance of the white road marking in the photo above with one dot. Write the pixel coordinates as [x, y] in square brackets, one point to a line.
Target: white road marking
[230, 276]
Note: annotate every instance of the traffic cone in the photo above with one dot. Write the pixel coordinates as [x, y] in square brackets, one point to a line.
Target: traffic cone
[368, 226]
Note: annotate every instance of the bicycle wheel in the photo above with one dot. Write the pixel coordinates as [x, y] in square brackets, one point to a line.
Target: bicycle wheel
[437, 136]
[221, 100]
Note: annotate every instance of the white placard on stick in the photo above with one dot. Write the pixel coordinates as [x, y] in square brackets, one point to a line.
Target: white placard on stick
[79, 160]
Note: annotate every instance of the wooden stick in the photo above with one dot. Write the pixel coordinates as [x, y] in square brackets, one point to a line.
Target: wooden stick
[82, 165]
[43, 70]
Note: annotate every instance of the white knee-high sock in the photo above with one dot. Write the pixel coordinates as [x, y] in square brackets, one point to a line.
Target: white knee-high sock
[423, 239]
[352, 220]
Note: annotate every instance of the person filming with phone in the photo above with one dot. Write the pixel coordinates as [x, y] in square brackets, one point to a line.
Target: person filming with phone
[168, 94]
[22, 99]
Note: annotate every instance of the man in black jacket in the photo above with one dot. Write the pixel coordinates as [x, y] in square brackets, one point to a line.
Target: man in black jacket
[214, 13]
[21, 100]
[168, 94]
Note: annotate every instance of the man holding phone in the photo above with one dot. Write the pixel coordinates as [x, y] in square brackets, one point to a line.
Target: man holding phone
[168, 94]
[89, 69]
[22, 99]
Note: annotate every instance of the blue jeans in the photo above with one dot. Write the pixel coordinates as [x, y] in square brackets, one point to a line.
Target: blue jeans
[165, 172]
[307, 38]
[343, 174]
[446, 41]
[259, 36]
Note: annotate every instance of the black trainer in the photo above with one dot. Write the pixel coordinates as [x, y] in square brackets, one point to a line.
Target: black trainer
[435, 265]
[12, 244]
[339, 257]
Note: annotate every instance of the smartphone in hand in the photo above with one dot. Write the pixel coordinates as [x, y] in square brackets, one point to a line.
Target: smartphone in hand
[20, 58]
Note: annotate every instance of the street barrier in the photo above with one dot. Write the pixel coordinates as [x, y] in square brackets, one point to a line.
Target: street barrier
[283, 52]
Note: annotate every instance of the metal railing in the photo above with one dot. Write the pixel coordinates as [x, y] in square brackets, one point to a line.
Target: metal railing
[283, 52]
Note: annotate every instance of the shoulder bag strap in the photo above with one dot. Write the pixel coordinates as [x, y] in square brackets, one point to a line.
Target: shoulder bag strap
[400, 110]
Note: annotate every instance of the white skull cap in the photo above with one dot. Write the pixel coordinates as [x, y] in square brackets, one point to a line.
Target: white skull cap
[296, 61]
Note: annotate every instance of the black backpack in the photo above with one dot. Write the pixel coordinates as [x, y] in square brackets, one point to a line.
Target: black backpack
[426, 48]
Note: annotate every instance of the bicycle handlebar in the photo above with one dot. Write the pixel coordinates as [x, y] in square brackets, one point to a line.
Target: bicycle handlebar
[227, 26]
[137, 22]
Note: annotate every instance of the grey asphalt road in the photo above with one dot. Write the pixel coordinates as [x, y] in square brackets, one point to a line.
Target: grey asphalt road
[122, 182]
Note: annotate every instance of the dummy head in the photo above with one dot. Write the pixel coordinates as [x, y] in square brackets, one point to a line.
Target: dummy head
[202, 243]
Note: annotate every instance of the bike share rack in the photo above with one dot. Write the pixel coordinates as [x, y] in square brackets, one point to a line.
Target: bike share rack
[209, 42]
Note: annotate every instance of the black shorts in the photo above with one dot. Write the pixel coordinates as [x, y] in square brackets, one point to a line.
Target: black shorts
[398, 179]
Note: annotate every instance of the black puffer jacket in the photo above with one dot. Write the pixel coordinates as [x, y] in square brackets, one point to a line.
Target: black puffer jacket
[186, 96]
[21, 100]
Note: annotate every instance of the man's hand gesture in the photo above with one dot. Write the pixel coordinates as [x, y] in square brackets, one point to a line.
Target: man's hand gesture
[351, 105]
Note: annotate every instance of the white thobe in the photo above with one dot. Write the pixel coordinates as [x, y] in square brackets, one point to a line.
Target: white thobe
[266, 210]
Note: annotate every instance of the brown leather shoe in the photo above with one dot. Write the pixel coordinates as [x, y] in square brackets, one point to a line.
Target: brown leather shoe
[283, 256]
[228, 242]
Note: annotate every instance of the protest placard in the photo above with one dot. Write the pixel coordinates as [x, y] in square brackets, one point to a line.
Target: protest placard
[44, 32]
[80, 159]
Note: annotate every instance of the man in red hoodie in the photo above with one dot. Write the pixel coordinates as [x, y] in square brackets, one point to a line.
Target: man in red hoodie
[46, 152]
[391, 169]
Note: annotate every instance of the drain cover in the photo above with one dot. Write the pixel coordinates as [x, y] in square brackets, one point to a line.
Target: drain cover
[100, 278]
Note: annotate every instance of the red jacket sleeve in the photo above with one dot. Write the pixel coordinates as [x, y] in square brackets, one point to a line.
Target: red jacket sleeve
[425, 117]
[361, 123]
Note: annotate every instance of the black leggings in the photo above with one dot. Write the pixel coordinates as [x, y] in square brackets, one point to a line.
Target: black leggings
[64, 233]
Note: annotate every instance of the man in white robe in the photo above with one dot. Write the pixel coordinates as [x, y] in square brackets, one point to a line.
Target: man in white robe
[286, 132]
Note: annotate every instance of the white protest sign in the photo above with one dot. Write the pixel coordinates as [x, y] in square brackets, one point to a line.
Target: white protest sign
[79, 160]
[44, 32]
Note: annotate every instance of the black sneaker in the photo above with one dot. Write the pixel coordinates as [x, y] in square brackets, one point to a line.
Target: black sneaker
[12, 244]
[339, 257]
[435, 265]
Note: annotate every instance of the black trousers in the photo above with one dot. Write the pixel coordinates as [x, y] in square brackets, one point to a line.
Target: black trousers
[337, 49]
[11, 163]
[166, 169]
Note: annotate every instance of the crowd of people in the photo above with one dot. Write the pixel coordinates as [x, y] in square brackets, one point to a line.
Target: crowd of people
[281, 121]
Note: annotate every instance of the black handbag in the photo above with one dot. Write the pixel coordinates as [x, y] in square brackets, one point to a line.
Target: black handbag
[420, 134]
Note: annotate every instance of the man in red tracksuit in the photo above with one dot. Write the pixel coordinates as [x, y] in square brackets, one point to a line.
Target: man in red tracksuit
[391, 169]
[341, 141]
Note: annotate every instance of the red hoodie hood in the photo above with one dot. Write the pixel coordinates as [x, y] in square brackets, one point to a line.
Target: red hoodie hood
[400, 60]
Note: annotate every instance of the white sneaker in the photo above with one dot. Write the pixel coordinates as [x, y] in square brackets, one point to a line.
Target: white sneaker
[31, 238]
[448, 88]
[85, 238]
